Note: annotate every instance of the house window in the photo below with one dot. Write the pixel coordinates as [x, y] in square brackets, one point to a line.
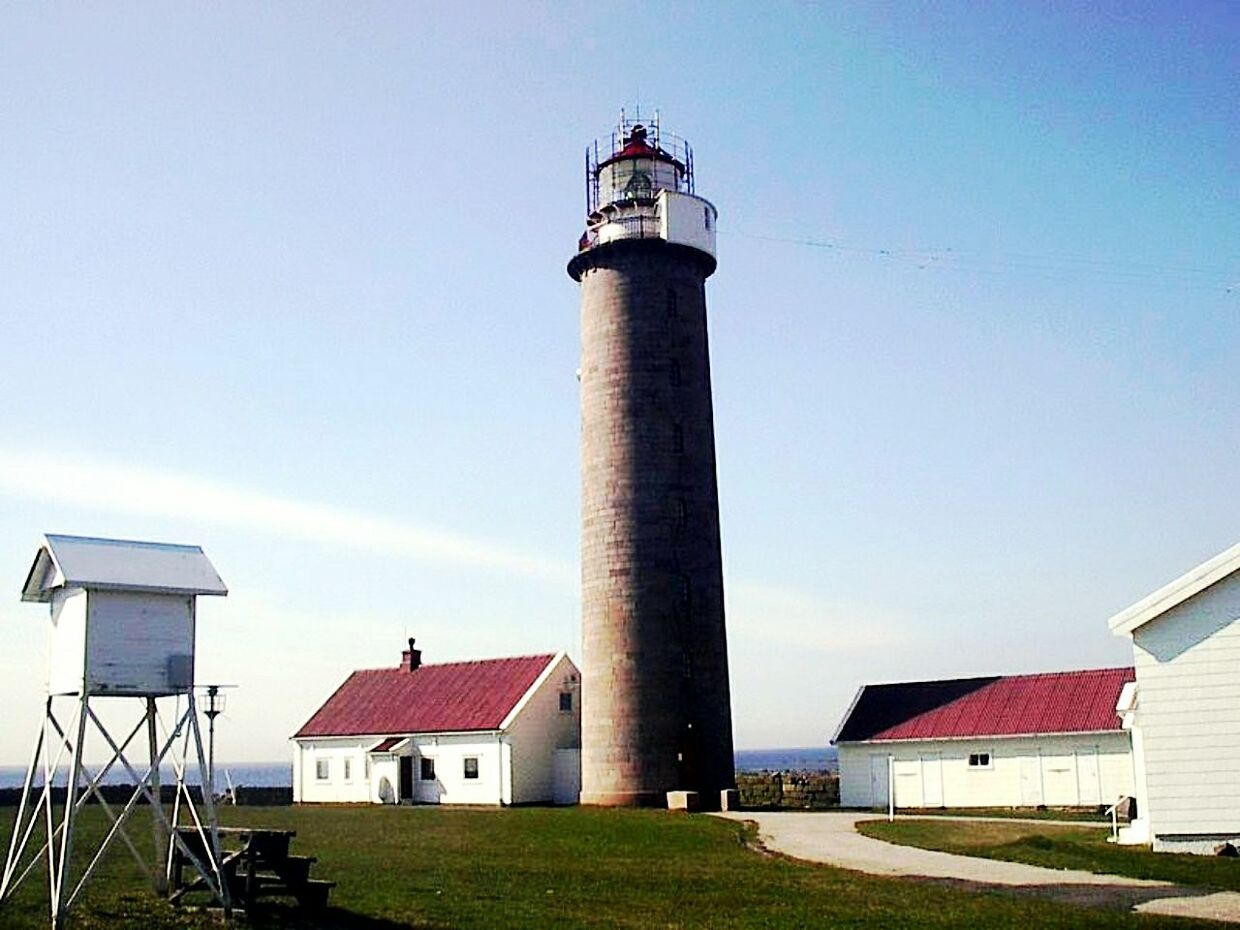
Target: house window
[979, 760]
[471, 766]
[566, 702]
[348, 770]
[427, 772]
[322, 769]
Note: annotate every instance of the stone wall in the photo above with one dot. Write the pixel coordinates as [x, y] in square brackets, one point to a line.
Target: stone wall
[797, 790]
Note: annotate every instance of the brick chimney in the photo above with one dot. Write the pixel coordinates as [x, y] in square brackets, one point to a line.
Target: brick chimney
[411, 658]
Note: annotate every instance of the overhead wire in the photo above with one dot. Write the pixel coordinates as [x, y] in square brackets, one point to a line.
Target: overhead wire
[1046, 266]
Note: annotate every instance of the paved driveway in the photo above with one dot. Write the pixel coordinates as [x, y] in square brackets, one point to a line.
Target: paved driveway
[831, 837]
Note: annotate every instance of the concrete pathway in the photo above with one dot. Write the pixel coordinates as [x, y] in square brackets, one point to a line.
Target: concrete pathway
[831, 837]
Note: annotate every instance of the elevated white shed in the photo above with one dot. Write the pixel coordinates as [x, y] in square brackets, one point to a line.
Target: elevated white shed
[122, 627]
[122, 613]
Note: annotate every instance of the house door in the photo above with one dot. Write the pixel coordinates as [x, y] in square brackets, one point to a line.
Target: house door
[878, 781]
[1030, 781]
[406, 779]
[1088, 789]
[932, 781]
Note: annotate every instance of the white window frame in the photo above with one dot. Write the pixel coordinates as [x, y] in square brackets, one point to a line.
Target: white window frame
[981, 766]
[477, 776]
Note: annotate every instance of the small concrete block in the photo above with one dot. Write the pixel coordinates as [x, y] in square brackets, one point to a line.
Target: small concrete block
[729, 799]
[684, 801]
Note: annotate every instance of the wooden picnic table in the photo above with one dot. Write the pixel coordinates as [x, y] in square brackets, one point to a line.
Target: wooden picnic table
[256, 864]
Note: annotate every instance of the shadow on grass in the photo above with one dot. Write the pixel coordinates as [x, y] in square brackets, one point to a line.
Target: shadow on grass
[1115, 897]
[277, 917]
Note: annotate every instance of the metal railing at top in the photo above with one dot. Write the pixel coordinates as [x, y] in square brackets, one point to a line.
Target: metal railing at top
[624, 227]
[669, 144]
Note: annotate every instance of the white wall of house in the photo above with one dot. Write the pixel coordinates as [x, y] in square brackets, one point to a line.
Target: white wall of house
[1058, 771]
[539, 727]
[1188, 718]
[331, 770]
[340, 770]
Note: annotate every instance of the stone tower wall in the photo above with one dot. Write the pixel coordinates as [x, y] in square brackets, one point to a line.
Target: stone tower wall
[656, 709]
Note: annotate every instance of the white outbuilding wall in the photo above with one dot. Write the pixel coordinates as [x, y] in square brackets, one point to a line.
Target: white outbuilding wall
[1024, 771]
[1187, 717]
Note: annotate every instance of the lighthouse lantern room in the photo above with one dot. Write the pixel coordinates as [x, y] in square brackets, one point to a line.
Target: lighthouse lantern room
[639, 185]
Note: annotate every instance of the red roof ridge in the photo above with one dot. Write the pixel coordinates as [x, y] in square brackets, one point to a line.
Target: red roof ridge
[473, 694]
[1076, 701]
[1000, 677]
[548, 656]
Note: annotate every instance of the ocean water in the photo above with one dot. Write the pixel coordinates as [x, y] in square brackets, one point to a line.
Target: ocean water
[280, 774]
[253, 774]
[809, 759]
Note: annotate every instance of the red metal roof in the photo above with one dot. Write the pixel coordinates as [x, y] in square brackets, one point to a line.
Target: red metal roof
[451, 697]
[1013, 705]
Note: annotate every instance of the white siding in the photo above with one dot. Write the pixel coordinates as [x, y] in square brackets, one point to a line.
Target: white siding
[310, 788]
[538, 730]
[132, 638]
[66, 656]
[688, 220]
[1058, 771]
[366, 776]
[1188, 713]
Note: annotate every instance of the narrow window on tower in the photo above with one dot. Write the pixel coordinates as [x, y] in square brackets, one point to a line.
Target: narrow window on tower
[682, 514]
[673, 310]
[678, 438]
[673, 373]
[706, 216]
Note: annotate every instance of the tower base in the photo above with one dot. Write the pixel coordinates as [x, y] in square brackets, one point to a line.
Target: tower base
[55, 745]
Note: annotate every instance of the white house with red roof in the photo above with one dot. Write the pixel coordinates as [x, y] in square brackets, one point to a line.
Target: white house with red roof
[1184, 712]
[1051, 740]
[495, 731]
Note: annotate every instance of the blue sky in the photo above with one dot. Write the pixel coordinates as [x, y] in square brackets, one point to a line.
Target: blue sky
[288, 282]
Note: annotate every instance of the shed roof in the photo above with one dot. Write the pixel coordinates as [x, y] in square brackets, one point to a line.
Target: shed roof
[1176, 592]
[445, 698]
[1009, 705]
[119, 565]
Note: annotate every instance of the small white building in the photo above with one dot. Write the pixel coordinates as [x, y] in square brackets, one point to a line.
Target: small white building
[1050, 740]
[123, 613]
[1184, 713]
[497, 731]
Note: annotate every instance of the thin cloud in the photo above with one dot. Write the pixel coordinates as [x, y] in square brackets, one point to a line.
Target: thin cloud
[118, 488]
[798, 619]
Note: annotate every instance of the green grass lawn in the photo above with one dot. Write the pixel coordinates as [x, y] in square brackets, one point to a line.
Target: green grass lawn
[1059, 848]
[548, 868]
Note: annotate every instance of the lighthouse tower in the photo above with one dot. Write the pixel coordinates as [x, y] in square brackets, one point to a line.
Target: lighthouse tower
[656, 710]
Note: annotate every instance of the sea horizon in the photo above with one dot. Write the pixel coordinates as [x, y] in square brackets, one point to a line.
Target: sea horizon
[280, 774]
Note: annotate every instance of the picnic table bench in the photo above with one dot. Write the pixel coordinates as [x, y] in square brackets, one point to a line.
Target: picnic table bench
[256, 864]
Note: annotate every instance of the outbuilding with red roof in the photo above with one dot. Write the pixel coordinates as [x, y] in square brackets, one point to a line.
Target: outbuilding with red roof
[1053, 740]
[494, 731]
